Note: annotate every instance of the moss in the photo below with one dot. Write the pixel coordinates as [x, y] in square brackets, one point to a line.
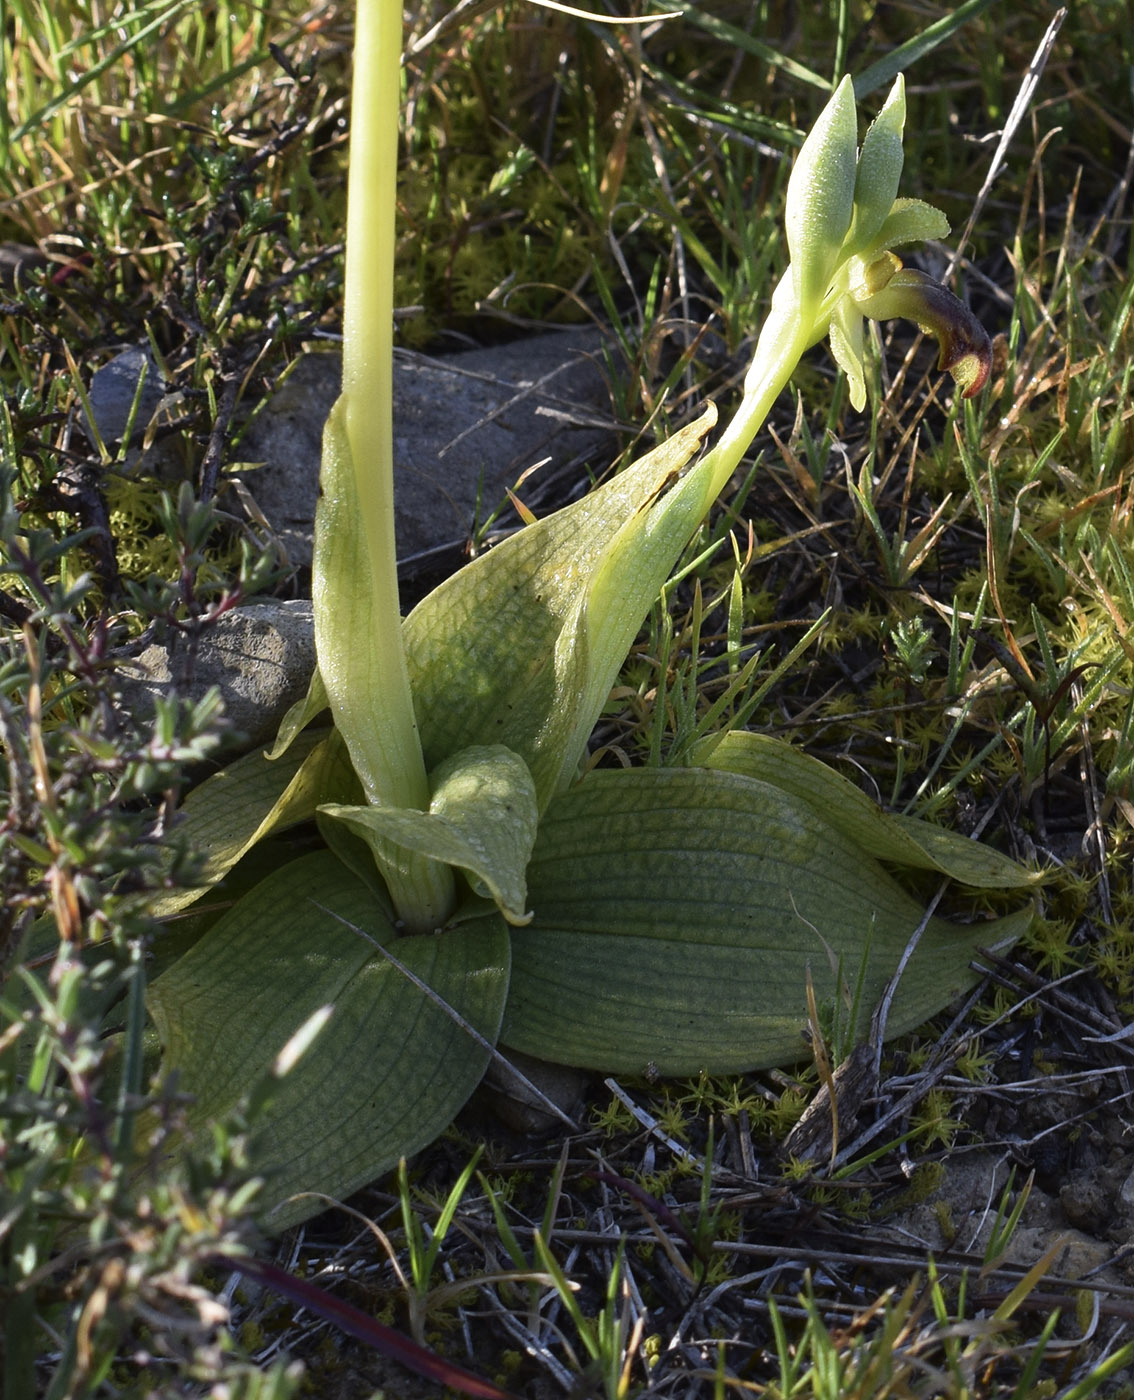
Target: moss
[926, 1181]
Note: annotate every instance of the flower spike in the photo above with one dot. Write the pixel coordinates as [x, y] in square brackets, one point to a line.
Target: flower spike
[843, 218]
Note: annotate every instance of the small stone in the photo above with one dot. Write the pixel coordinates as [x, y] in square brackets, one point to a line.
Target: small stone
[1087, 1199]
[113, 389]
[512, 1100]
[1078, 1253]
[260, 656]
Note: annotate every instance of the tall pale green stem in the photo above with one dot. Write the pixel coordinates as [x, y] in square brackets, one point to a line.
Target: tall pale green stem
[637, 563]
[783, 339]
[361, 655]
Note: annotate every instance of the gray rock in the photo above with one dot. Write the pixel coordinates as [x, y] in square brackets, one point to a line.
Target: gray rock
[533, 1096]
[465, 429]
[113, 388]
[261, 656]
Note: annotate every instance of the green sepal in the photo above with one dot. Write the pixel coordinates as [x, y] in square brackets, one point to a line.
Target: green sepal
[879, 169]
[820, 199]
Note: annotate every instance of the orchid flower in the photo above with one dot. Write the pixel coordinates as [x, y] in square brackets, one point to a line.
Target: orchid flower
[843, 221]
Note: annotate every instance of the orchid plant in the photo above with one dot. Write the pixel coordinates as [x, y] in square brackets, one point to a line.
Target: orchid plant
[472, 892]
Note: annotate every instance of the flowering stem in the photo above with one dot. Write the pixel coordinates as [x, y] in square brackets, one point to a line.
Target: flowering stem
[377, 717]
[783, 340]
[368, 353]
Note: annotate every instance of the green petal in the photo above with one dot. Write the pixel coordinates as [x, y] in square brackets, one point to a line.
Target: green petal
[847, 348]
[909, 221]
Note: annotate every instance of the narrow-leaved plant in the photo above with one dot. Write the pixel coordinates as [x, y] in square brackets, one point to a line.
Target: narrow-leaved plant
[472, 892]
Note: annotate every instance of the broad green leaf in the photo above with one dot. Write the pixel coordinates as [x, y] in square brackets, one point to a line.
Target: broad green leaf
[224, 817]
[678, 911]
[387, 1072]
[900, 840]
[519, 648]
[482, 818]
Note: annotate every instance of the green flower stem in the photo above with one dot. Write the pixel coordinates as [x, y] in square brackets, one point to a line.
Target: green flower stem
[378, 721]
[783, 340]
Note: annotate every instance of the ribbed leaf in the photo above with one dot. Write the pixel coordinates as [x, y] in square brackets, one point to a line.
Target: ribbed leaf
[387, 1072]
[224, 817]
[900, 840]
[520, 647]
[677, 912]
[482, 818]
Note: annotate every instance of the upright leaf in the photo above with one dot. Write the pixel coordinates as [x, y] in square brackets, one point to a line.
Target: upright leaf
[516, 648]
[363, 669]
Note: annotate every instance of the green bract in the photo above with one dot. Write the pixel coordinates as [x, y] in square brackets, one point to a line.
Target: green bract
[471, 890]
